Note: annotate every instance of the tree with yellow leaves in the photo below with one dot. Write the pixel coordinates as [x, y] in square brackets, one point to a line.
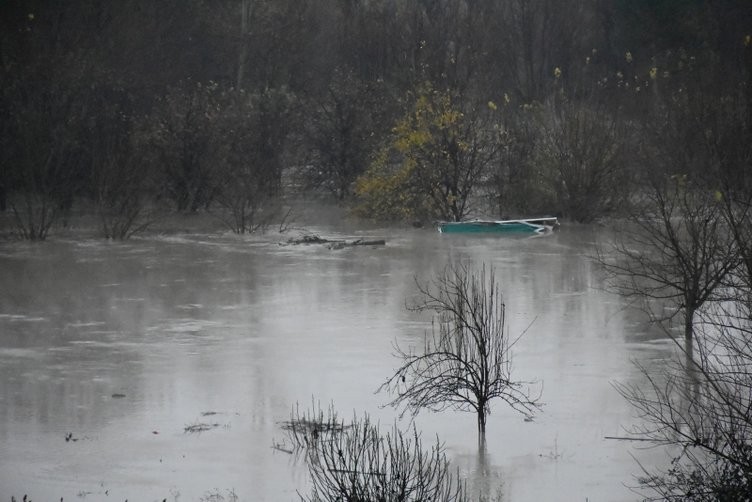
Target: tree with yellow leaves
[434, 161]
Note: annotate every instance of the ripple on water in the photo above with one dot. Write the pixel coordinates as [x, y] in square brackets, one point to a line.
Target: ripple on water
[21, 318]
[19, 353]
[183, 325]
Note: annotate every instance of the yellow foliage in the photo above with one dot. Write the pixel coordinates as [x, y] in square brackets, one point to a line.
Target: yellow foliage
[406, 178]
[382, 191]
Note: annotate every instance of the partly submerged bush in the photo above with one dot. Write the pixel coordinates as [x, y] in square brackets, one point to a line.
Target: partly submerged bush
[356, 461]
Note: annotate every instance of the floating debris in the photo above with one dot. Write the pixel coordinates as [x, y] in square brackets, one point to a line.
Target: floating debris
[333, 243]
[306, 239]
[282, 447]
[199, 427]
[357, 242]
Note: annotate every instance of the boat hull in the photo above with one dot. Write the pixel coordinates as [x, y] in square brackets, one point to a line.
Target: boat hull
[528, 226]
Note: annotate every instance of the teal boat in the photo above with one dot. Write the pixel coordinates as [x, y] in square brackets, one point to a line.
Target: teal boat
[524, 226]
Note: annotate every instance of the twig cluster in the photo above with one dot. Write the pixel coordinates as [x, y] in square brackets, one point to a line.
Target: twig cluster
[357, 461]
[466, 360]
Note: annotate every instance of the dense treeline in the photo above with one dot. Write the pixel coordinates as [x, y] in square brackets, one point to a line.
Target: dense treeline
[410, 110]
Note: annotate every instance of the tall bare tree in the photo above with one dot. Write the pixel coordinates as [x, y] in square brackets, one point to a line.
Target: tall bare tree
[121, 183]
[679, 247]
[583, 154]
[703, 406]
[342, 130]
[675, 250]
[43, 151]
[250, 139]
[184, 132]
[466, 361]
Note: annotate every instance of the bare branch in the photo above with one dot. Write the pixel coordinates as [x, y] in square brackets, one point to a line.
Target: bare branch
[466, 360]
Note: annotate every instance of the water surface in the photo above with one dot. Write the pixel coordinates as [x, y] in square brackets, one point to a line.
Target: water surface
[123, 345]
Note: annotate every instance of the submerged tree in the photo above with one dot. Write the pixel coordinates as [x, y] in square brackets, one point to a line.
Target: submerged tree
[184, 125]
[703, 405]
[120, 181]
[357, 461]
[582, 152]
[362, 463]
[252, 131]
[467, 362]
[676, 249]
[434, 163]
[42, 150]
[341, 132]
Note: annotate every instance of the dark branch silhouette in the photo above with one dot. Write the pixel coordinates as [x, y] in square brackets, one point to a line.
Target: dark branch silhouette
[358, 461]
[703, 406]
[675, 251]
[466, 360]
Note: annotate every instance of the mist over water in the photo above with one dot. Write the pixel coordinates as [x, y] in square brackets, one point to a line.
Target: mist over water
[123, 345]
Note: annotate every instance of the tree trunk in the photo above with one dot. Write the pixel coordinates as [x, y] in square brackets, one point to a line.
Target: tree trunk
[689, 328]
[482, 423]
[689, 324]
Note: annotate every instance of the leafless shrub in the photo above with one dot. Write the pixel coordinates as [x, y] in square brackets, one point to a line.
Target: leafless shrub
[363, 463]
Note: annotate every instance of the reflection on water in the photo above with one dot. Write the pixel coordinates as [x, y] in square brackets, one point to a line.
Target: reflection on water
[233, 331]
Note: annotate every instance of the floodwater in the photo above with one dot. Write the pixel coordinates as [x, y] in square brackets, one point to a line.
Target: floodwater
[121, 346]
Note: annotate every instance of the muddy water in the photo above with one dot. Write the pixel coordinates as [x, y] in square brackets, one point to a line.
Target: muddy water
[121, 346]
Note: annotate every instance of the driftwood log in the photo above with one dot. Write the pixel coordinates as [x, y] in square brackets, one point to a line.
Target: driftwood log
[334, 244]
[357, 242]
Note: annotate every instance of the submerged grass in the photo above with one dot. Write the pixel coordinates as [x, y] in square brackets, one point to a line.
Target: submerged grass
[307, 428]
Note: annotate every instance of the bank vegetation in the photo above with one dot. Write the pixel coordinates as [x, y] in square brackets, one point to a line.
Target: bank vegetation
[407, 111]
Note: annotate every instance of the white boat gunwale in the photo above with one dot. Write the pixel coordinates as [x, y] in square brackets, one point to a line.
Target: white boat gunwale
[538, 225]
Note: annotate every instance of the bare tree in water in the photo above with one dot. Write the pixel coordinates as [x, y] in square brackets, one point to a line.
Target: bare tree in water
[675, 250]
[702, 407]
[358, 461]
[362, 463]
[466, 361]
